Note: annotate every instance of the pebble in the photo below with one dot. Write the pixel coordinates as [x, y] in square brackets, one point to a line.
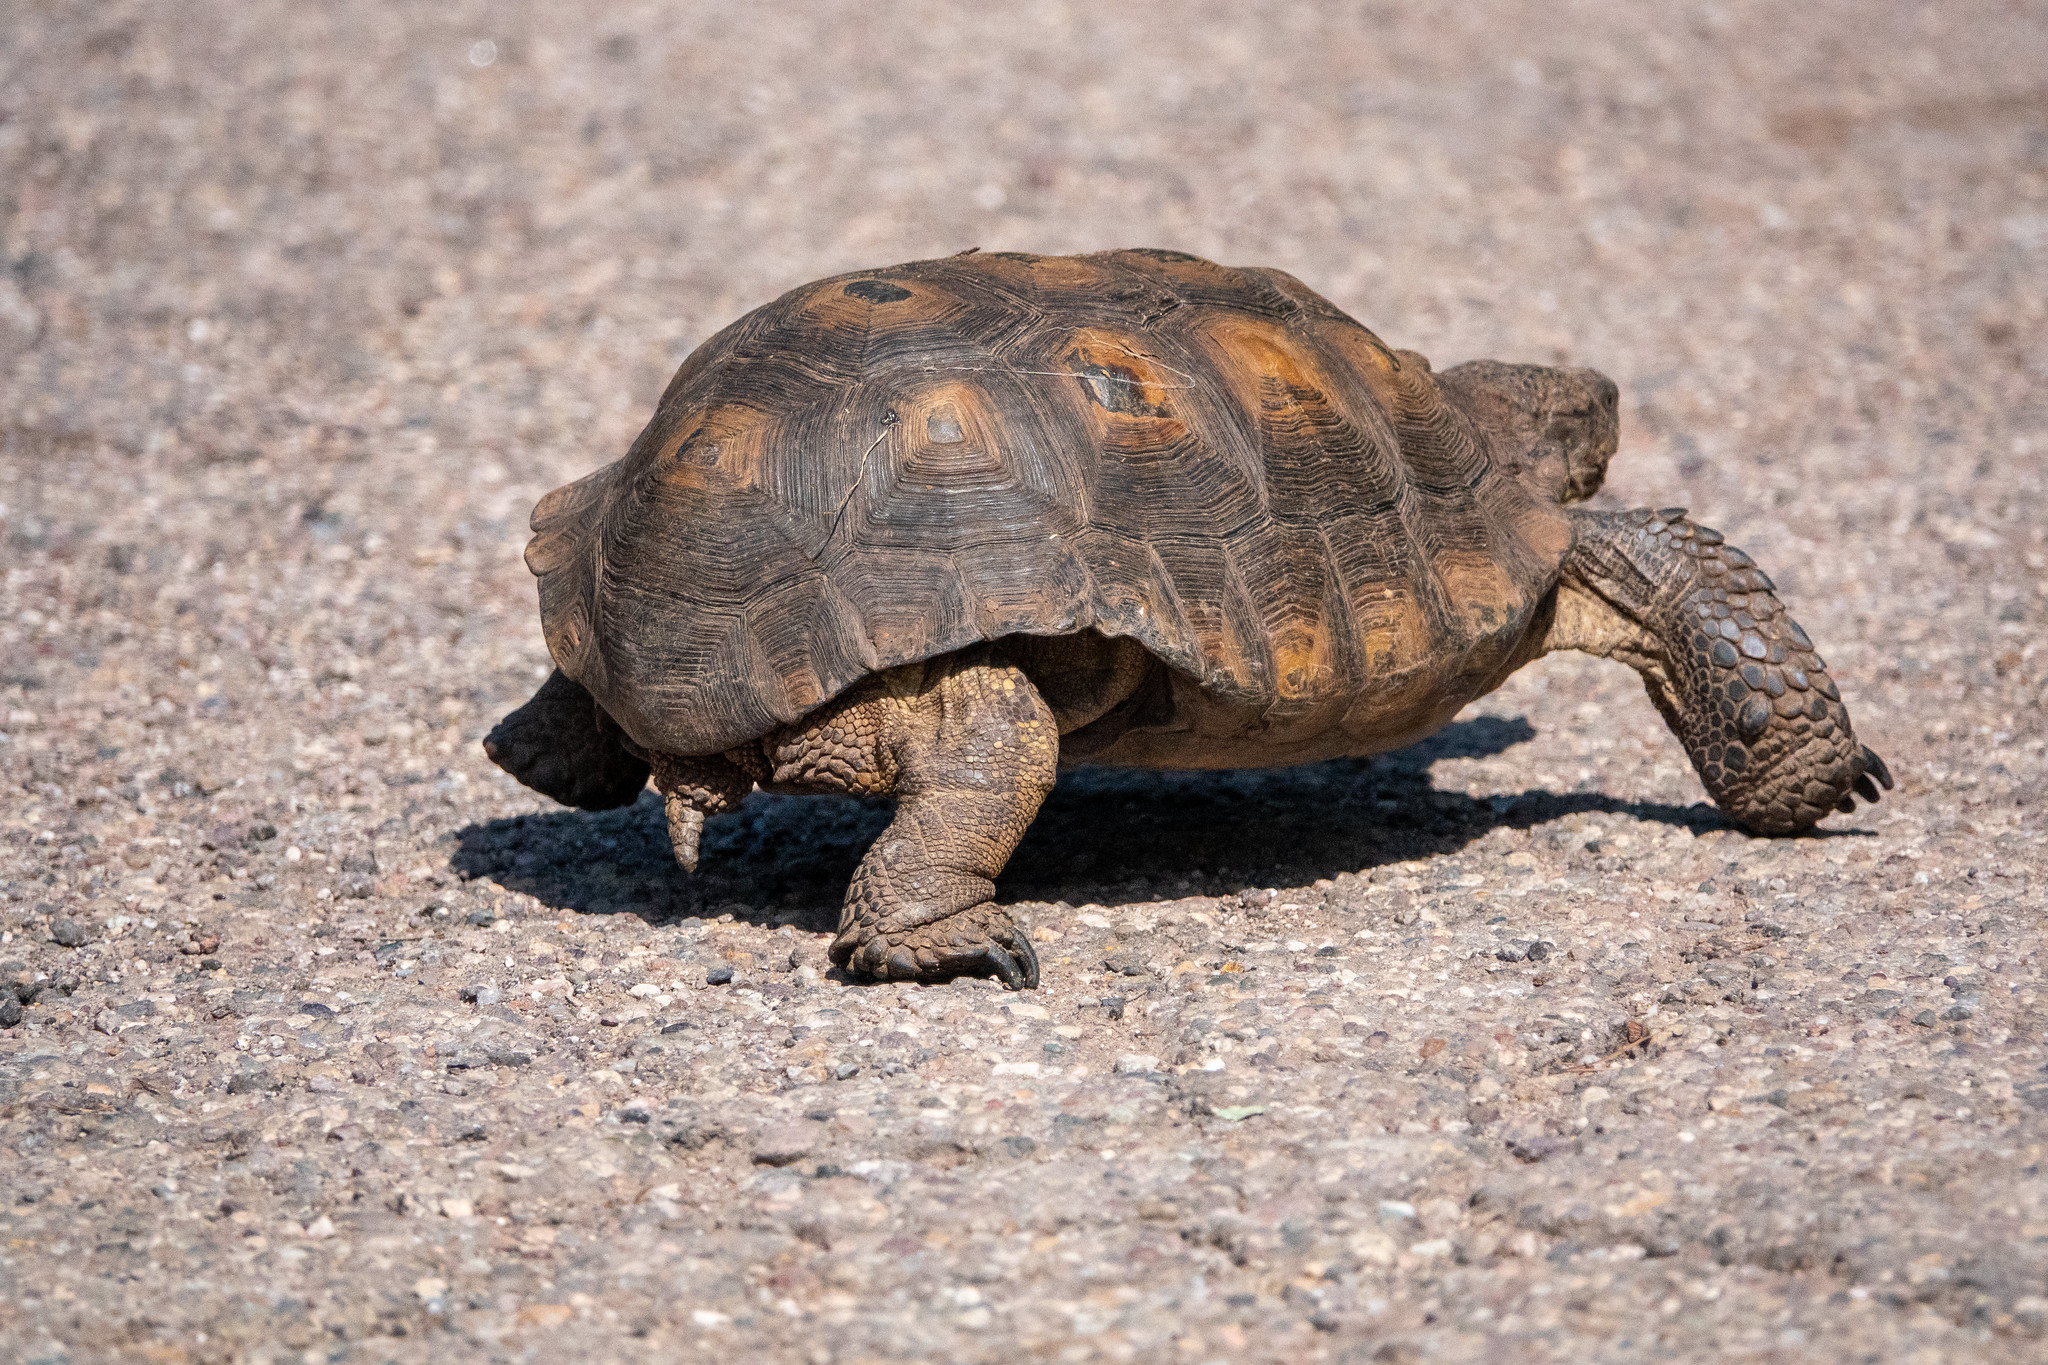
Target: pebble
[1136, 1064]
[785, 1143]
[718, 976]
[68, 932]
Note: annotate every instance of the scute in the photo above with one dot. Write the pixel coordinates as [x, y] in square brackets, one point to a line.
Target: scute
[879, 469]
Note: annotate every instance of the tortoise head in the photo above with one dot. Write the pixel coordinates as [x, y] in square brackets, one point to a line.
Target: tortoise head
[1557, 427]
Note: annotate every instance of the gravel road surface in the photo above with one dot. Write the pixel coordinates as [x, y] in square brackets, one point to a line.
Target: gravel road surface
[326, 1042]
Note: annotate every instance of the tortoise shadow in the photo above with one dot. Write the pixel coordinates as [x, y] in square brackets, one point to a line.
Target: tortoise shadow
[1105, 834]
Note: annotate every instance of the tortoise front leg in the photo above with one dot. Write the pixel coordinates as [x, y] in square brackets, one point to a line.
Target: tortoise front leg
[1733, 674]
[970, 750]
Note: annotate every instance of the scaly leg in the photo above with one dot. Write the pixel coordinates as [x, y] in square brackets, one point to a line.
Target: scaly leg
[1733, 674]
[970, 750]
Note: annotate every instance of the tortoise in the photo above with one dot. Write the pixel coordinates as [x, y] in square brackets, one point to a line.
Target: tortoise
[937, 531]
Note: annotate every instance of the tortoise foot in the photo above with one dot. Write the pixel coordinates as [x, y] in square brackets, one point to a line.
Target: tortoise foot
[561, 745]
[980, 941]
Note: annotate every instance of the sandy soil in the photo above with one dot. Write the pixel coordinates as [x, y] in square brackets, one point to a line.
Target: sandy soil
[326, 1042]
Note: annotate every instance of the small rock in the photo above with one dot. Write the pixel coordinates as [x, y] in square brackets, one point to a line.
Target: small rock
[1136, 1064]
[718, 976]
[107, 1022]
[846, 1071]
[784, 1143]
[1533, 1147]
[10, 1011]
[483, 919]
[482, 993]
[1957, 1013]
[1925, 1019]
[68, 932]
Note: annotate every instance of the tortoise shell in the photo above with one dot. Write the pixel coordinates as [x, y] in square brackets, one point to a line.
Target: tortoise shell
[881, 468]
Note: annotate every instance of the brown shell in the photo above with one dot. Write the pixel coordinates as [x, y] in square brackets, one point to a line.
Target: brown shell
[880, 468]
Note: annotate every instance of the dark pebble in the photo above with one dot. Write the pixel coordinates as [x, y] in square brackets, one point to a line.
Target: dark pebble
[718, 976]
[10, 1011]
[68, 932]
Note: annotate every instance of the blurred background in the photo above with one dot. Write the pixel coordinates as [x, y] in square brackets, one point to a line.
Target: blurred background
[304, 305]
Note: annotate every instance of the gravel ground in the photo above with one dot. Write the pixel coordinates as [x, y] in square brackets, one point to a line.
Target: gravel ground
[327, 1042]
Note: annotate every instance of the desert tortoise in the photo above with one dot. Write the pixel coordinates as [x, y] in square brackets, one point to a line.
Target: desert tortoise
[936, 531]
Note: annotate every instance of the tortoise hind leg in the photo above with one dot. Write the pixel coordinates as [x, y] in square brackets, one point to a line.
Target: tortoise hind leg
[970, 750]
[563, 746]
[1733, 674]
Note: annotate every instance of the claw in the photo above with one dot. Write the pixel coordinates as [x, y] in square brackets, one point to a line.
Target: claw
[1029, 955]
[1874, 765]
[1005, 966]
[1865, 788]
[1847, 805]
